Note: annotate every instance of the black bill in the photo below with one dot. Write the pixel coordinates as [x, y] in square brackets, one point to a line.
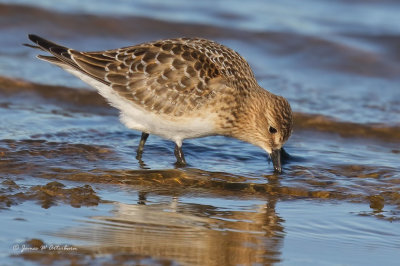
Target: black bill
[276, 160]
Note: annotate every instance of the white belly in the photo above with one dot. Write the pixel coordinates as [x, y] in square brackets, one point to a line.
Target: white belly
[135, 117]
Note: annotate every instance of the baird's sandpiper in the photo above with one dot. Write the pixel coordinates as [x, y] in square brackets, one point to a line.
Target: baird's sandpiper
[180, 89]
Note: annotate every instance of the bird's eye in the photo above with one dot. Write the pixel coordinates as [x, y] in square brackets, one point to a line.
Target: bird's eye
[272, 130]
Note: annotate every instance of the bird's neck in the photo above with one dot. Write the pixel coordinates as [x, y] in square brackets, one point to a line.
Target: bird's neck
[250, 115]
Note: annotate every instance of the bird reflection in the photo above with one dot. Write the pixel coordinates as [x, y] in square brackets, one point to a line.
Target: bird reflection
[200, 230]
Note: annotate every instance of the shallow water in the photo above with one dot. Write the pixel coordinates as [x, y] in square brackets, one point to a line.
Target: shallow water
[69, 176]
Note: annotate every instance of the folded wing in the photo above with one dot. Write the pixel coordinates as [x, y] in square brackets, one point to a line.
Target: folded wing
[167, 76]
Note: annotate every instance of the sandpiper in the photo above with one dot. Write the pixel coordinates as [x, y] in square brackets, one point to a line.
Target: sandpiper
[180, 89]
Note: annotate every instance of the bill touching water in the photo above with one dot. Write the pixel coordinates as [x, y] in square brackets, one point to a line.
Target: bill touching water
[70, 179]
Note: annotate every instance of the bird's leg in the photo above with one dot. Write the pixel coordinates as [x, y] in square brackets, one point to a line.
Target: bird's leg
[142, 198]
[180, 158]
[139, 151]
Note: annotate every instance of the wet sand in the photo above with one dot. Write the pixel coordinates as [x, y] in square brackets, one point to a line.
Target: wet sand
[72, 191]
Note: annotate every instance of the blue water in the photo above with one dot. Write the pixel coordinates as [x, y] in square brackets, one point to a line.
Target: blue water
[351, 57]
[337, 201]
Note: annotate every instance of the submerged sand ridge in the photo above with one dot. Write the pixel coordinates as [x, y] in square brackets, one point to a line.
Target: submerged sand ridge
[84, 99]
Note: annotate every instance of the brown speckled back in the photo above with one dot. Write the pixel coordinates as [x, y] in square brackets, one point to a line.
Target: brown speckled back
[169, 76]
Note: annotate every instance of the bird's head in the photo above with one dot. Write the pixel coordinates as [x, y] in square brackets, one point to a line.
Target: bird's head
[278, 122]
[269, 125]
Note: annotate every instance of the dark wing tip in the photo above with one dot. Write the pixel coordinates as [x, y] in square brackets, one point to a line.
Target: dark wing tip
[36, 39]
[32, 37]
[47, 45]
[30, 45]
